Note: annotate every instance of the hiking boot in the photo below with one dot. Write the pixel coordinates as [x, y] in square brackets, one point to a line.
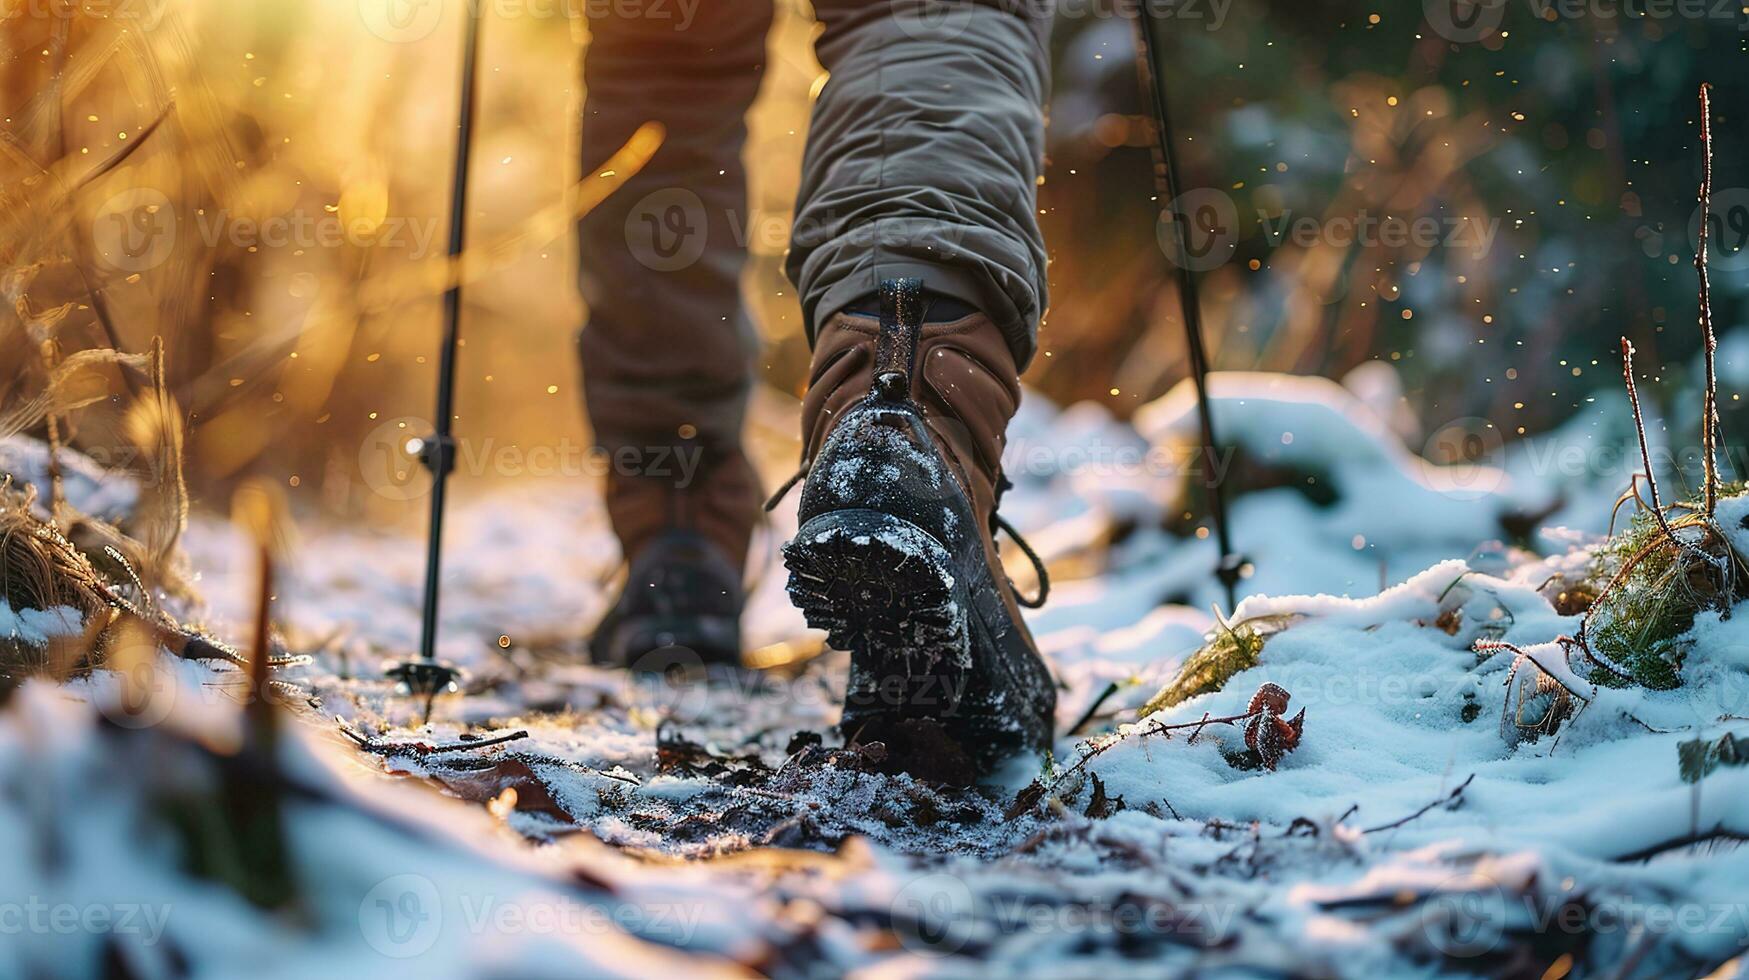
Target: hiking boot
[896, 557]
[686, 546]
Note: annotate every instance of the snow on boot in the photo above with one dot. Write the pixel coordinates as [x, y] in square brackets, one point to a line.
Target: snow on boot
[896, 556]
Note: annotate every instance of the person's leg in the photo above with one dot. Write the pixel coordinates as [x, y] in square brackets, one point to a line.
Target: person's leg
[919, 185]
[923, 159]
[667, 352]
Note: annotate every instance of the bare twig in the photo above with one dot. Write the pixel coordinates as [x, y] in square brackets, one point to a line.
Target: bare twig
[1709, 424]
[478, 743]
[1092, 709]
[1719, 833]
[1449, 799]
[1578, 641]
[1043, 786]
[1200, 725]
[57, 491]
[1631, 493]
[1627, 371]
[263, 722]
[415, 748]
[1516, 650]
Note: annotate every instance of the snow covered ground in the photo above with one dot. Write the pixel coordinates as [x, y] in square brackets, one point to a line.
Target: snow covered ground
[628, 825]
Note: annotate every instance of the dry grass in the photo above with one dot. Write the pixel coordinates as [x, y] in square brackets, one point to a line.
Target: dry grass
[287, 356]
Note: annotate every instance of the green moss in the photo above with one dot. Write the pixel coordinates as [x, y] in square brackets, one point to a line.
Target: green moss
[1229, 650]
[1642, 623]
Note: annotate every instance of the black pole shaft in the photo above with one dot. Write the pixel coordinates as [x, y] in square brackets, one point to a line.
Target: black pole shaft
[1166, 180]
[442, 451]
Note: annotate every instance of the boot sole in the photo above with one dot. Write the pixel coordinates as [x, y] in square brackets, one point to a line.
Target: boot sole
[882, 589]
[886, 591]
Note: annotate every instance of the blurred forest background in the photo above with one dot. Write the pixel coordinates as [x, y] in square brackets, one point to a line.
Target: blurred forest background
[1569, 132]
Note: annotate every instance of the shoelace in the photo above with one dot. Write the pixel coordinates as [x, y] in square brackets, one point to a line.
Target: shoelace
[1038, 565]
[997, 522]
[783, 490]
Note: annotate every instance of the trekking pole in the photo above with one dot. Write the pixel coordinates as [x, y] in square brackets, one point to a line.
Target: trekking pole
[1166, 183]
[428, 677]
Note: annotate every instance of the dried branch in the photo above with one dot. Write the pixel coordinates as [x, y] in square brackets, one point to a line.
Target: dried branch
[421, 749]
[1028, 797]
[1709, 425]
[1093, 709]
[1448, 800]
[1627, 371]
[1719, 833]
[57, 489]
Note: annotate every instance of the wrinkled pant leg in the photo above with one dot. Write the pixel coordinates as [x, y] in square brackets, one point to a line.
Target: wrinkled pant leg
[923, 158]
[668, 350]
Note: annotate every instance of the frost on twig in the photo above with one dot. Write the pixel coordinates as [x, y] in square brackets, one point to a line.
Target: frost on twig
[1627, 373]
[1709, 424]
[1658, 574]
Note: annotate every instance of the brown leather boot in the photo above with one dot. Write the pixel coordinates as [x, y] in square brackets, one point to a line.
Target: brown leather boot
[896, 555]
[685, 541]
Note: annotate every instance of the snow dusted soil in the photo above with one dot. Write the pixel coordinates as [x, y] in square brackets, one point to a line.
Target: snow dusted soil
[641, 826]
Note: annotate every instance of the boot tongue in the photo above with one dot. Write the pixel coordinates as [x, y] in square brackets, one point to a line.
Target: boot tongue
[896, 345]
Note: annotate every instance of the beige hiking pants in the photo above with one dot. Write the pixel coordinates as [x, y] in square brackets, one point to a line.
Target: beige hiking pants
[922, 160]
